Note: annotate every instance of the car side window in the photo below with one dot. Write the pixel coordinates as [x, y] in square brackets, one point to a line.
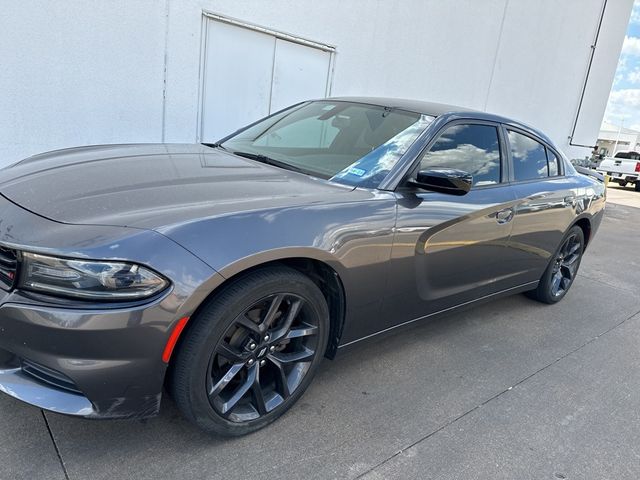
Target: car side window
[472, 148]
[552, 160]
[529, 157]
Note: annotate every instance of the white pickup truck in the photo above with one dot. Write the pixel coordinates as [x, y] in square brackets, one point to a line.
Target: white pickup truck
[622, 168]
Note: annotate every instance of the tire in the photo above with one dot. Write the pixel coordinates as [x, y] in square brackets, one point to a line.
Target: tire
[562, 269]
[250, 352]
[637, 186]
[622, 183]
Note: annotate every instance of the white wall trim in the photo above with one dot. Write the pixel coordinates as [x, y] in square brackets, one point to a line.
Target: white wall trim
[163, 132]
[206, 16]
[201, 75]
[268, 31]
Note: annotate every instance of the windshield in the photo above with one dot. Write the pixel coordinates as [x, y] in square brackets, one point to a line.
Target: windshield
[351, 143]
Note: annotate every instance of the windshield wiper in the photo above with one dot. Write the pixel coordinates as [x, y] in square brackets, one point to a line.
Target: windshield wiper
[216, 145]
[270, 161]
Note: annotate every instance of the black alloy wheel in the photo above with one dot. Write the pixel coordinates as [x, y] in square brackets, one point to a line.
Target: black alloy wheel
[250, 352]
[262, 358]
[565, 266]
[562, 269]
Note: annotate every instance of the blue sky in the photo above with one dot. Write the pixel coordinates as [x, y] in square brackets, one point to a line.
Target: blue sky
[624, 101]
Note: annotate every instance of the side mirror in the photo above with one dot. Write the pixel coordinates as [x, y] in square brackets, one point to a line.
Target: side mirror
[444, 180]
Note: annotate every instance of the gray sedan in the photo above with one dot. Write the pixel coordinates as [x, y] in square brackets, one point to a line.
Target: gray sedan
[224, 273]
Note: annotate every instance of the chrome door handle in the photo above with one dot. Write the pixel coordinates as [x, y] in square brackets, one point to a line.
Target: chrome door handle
[505, 216]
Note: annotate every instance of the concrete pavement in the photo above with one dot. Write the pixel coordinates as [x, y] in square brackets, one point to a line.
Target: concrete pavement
[511, 389]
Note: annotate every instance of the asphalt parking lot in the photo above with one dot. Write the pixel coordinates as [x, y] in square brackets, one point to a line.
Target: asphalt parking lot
[511, 389]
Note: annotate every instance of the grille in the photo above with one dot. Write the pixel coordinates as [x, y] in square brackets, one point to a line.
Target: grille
[8, 267]
[47, 375]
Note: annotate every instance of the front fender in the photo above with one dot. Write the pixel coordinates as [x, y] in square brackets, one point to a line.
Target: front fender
[354, 238]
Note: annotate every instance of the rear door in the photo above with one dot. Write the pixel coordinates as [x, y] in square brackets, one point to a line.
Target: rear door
[449, 249]
[545, 207]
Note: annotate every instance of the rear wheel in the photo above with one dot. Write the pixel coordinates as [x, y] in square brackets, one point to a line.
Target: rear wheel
[562, 270]
[637, 186]
[251, 352]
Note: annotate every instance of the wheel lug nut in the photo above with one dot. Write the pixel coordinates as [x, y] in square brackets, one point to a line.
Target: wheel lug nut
[251, 362]
[266, 338]
[272, 348]
[252, 346]
[263, 363]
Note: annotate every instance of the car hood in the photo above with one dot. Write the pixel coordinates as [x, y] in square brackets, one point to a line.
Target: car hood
[151, 185]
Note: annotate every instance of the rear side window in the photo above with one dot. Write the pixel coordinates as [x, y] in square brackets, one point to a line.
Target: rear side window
[529, 157]
[474, 149]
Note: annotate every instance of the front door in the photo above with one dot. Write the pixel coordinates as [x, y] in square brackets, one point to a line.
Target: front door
[448, 249]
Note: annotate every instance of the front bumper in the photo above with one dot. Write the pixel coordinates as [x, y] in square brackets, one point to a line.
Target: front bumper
[14, 382]
[93, 359]
[91, 363]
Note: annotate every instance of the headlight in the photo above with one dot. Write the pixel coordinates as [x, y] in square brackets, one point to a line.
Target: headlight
[88, 279]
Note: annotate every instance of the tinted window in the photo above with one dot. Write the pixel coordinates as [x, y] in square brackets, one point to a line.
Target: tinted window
[553, 164]
[529, 157]
[472, 148]
[630, 155]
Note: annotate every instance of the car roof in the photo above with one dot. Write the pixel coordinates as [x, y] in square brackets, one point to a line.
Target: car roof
[427, 108]
[438, 109]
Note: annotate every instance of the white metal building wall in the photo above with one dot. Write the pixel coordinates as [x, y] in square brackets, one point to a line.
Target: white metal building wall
[249, 72]
[88, 71]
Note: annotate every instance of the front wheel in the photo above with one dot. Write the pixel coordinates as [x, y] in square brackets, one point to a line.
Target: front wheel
[562, 270]
[251, 352]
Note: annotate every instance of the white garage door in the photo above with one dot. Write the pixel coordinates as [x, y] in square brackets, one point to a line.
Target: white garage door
[249, 73]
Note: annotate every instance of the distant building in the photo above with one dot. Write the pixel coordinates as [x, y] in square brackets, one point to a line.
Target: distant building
[614, 138]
